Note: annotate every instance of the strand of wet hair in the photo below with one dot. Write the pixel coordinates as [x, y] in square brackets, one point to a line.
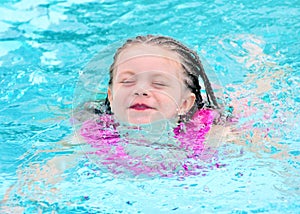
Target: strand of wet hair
[207, 83]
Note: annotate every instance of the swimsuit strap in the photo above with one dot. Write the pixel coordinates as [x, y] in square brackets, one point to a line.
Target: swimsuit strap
[192, 134]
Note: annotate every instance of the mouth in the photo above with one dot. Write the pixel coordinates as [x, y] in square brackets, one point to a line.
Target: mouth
[140, 107]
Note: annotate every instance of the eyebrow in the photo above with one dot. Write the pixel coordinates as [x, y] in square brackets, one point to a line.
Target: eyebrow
[127, 72]
[162, 76]
[165, 76]
[156, 74]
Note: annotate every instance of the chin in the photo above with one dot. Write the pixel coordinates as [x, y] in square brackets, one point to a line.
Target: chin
[136, 118]
[141, 120]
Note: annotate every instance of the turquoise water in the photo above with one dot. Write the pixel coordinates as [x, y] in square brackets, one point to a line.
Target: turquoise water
[252, 48]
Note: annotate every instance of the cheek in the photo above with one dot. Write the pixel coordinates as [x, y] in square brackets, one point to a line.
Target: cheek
[169, 101]
[119, 92]
[121, 98]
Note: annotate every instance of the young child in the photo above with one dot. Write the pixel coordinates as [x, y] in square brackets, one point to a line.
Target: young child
[153, 79]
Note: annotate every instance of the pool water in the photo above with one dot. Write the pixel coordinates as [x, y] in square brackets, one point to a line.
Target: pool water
[251, 49]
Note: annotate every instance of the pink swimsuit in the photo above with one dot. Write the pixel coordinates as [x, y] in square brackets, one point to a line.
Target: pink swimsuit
[110, 148]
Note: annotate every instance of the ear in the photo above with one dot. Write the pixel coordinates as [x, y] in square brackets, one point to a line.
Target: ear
[188, 103]
[110, 96]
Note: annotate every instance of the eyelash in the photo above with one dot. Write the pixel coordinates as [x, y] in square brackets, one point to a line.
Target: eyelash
[159, 84]
[127, 80]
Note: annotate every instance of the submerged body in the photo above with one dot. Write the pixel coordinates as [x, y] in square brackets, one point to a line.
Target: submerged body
[141, 156]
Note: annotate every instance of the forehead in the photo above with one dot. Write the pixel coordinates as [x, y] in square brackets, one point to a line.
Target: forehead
[142, 57]
[137, 50]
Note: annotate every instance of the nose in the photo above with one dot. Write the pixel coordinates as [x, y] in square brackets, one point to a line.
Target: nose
[141, 92]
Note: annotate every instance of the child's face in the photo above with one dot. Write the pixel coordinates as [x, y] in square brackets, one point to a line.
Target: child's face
[148, 85]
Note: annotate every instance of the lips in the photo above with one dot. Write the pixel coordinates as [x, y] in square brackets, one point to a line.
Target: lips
[140, 107]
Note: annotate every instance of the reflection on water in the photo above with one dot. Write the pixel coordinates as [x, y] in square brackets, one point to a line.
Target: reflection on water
[251, 47]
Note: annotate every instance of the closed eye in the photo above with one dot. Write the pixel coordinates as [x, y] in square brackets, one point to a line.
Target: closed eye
[127, 81]
[159, 84]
